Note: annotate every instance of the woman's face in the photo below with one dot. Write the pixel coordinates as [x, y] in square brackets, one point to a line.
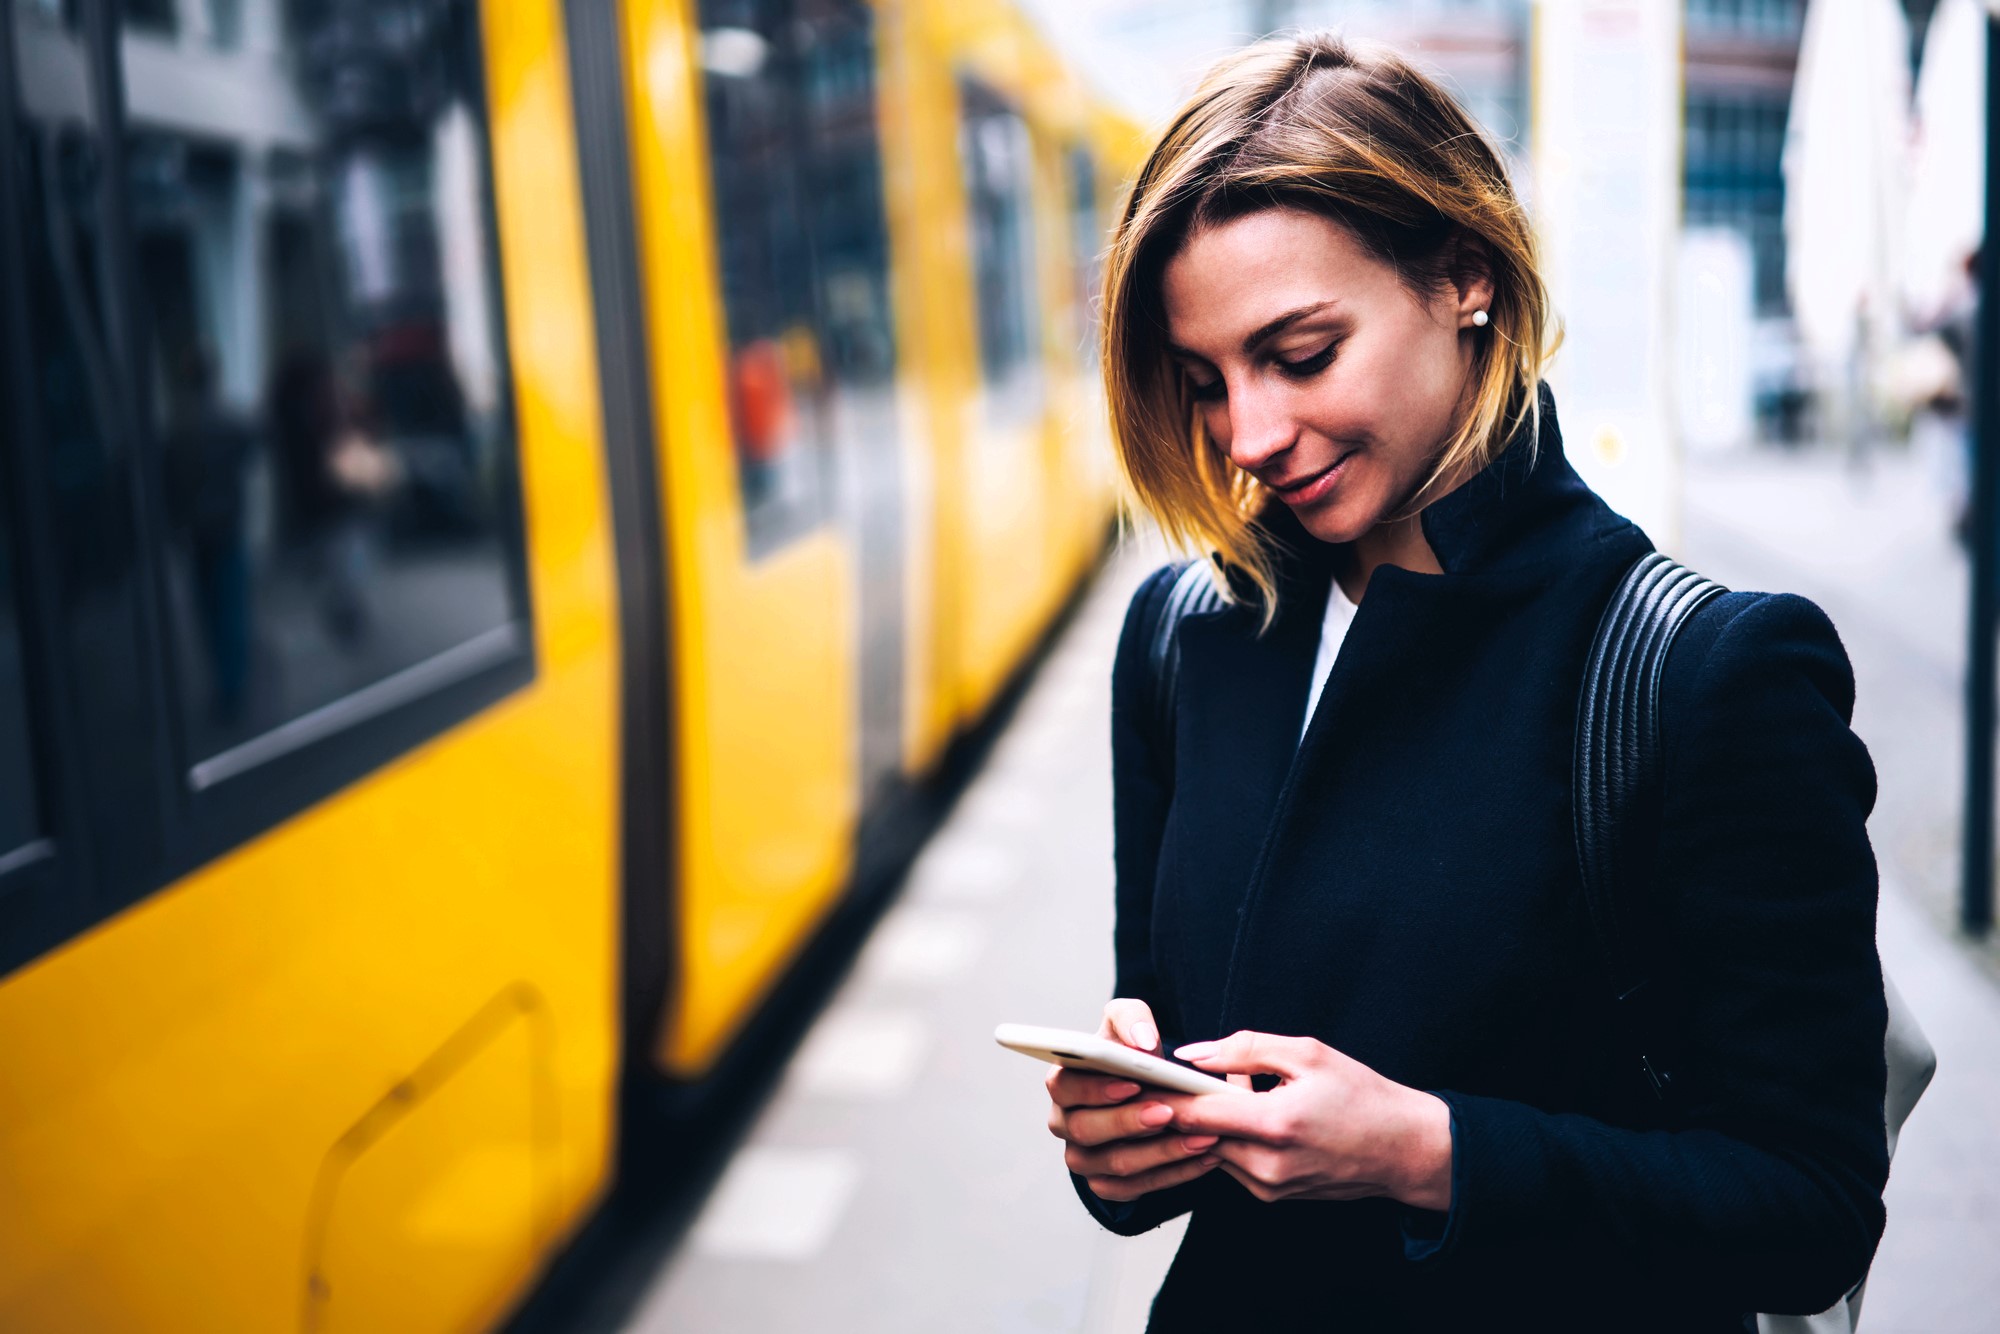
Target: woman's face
[1314, 367]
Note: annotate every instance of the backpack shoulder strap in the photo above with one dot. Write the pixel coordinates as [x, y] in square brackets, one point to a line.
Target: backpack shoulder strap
[1191, 593]
[1616, 777]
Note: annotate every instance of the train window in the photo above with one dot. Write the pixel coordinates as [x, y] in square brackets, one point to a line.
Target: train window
[998, 156]
[795, 169]
[848, 223]
[322, 379]
[1086, 246]
[20, 820]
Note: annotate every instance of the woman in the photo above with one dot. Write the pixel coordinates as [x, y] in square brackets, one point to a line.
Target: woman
[1352, 873]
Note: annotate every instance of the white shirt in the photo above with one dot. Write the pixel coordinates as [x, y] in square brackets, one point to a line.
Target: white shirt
[1332, 634]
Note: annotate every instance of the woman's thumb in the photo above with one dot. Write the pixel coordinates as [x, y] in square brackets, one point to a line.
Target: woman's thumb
[1131, 1022]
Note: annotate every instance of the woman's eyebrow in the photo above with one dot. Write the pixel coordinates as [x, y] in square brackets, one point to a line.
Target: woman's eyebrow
[1263, 331]
[1268, 328]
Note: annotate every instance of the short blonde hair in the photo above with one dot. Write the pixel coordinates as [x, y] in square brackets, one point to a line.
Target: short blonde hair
[1356, 134]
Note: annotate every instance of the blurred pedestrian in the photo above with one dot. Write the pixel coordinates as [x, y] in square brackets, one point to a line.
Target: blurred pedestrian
[334, 477]
[1346, 869]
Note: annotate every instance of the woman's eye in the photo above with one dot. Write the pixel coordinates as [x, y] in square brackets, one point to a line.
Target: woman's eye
[1308, 366]
[1208, 392]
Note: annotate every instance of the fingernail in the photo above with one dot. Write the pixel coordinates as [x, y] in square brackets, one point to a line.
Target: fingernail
[1196, 1143]
[1209, 1160]
[1122, 1089]
[1194, 1051]
[1157, 1114]
[1146, 1035]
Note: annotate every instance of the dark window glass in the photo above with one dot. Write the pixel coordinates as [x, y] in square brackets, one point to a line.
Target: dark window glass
[849, 232]
[998, 157]
[58, 171]
[20, 818]
[155, 16]
[66, 412]
[322, 374]
[796, 177]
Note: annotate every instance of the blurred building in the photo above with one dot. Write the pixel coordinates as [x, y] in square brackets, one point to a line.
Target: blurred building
[1740, 60]
[1479, 46]
[1741, 56]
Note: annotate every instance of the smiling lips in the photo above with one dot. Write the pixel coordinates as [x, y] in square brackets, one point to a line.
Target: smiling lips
[1311, 487]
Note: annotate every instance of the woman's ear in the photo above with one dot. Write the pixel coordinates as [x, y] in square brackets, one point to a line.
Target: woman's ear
[1471, 276]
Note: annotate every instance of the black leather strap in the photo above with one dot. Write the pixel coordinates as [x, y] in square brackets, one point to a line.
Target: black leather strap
[1615, 783]
[1191, 593]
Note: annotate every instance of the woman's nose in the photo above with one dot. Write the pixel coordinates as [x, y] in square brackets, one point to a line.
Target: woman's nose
[1260, 428]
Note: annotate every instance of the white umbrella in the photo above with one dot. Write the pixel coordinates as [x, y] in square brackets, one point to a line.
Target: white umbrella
[1947, 200]
[1845, 175]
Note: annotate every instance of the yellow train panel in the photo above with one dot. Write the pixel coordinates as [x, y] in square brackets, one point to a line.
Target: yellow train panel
[177, 1079]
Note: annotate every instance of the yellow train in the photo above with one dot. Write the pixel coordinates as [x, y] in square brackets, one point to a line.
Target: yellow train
[497, 505]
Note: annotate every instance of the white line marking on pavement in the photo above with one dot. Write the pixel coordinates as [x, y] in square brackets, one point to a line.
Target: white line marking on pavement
[776, 1204]
[1011, 806]
[1039, 745]
[918, 945]
[861, 1054]
[965, 869]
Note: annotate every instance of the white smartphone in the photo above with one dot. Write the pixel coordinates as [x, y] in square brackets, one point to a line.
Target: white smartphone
[1087, 1051]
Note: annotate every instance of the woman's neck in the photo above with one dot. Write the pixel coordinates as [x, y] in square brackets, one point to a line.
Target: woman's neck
[1399, 542]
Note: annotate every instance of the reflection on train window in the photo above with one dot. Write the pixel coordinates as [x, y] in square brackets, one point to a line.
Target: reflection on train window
[20, 820]
[324, 380]
[999, 169]
[155, 16]
[795, 167]
[216, 23]
[1086, 247]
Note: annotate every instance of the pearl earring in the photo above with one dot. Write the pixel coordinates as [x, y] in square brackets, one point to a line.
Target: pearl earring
[1479, 319]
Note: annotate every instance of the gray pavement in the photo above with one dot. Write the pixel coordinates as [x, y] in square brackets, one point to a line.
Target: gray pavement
[899, 1179]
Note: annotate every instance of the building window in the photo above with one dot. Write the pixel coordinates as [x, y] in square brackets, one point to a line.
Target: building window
[1734, 148]
[998, 156]
[1752, 18]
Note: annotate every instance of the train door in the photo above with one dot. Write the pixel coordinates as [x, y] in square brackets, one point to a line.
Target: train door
[794, 164]
[757, 200]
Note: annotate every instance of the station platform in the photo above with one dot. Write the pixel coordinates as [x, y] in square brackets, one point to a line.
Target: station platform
[900, 1178]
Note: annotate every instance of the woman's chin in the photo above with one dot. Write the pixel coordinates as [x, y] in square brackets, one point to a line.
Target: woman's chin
[1334, 521]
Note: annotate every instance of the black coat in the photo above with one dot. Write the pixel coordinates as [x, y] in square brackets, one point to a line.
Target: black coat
[1402, 885]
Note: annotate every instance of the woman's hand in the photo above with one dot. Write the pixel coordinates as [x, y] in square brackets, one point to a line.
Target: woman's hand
[1118, 1142]
[1333, 1130]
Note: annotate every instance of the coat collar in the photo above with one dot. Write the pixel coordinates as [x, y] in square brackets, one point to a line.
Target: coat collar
[1497, 537]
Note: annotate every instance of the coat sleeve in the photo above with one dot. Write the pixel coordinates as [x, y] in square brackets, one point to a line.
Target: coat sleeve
[1767, 1196]
[1142, 790]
